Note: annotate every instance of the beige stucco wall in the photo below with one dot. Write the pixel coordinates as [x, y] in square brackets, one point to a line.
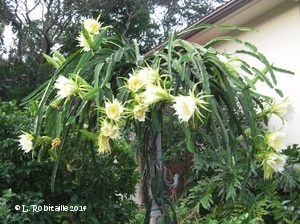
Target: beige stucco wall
[278, 38]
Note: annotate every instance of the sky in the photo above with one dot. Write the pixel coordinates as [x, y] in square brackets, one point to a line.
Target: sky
[8, 34]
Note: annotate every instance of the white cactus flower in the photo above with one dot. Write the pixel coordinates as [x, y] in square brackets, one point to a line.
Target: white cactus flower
[154, 93]
[276, 161]
[109, 130]
[149, 75]
[283, 109]
[66, 87]
[92, 26]
[114, 109]
[25, 141]
[139, 112]
[185, 107]
[273, 162]
[276, 140]
[103, 144]
[83, 42]
[135, 83]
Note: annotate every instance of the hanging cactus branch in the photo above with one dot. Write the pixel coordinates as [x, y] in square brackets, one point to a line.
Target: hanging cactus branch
[107, 87]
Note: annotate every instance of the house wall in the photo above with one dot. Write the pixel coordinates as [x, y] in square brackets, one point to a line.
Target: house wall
[278, 38]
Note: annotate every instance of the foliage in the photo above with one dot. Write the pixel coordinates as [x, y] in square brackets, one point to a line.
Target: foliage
[19, 80]
[272, 201]
[103, 186]
[139, 217]
[209, 96]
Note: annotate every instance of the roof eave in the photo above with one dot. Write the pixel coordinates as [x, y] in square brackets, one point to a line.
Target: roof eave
[217, 15]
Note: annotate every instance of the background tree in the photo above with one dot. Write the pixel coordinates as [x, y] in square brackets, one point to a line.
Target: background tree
[41, 25]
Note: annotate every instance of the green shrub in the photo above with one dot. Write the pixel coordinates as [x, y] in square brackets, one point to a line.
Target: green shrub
[102, 186]
[215, 195]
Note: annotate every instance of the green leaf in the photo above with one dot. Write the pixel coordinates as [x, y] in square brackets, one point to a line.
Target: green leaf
[97, 71]
[222, 39]
[251, 46]
[222, 27]
[241, 28]
[118, 55]
[85, 57]
[89, 135]
[108, 73]
[262, 77]
[58, 153]
[80, 110]
[58, 55]
[91, 94]
[52, 154]
[138, 56]
[87, 36]
[51, 61]
[155, 121]
[190, 144]
[36, 94]
[282, 70]
[100, 38]
[264, 60]
[42, 107]
[201, 74]
[69, 64]
[170, 42]
[57, 123]
[248, 53]
[279, 92]
[197, 27]
[218, 118]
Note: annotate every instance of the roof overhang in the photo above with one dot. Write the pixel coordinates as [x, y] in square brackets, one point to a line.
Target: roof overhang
[235, 13]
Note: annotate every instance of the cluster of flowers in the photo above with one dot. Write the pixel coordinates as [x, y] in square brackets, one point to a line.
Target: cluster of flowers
[67, 87]
[147, 87]
[274, 142]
